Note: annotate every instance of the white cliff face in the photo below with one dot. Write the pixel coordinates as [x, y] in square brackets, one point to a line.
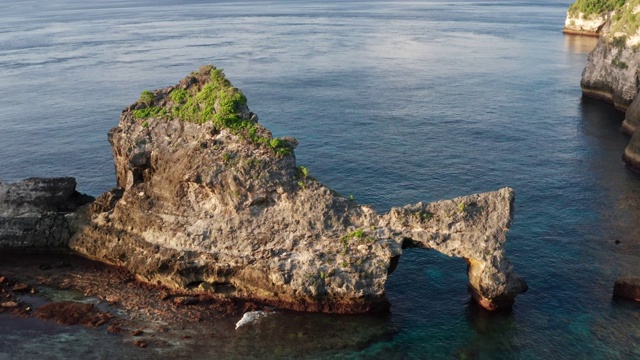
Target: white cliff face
[206, 208]
[612, 71]
[581, 24]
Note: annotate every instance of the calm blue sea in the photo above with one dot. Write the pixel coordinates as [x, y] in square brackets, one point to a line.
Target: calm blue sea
[393, 102]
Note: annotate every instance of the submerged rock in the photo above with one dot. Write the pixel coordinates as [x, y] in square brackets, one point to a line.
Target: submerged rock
[72, 313]
[627, 288]
[34, 212]
[209, 202]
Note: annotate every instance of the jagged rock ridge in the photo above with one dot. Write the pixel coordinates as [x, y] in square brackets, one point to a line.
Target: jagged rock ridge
[209, 201]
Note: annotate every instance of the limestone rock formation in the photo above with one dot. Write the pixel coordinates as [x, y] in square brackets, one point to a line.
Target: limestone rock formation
[34, 212]
[579, 23]
[631, 154]
[632, 117]
[627, 288]
[209, 201]
[611, 73]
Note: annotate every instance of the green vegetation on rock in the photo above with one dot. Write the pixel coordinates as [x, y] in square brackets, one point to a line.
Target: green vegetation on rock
[619, 63]
[152, 111]
[147, 97]
[219, 103]
[179, 96]
[591, 7]
[626, 20]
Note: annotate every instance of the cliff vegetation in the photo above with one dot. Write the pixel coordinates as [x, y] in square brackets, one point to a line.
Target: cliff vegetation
[593, 7]
[625, 22]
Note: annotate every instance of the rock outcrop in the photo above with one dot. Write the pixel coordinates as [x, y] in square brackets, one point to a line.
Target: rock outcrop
[631, 155]
[632, 117]
[579, 23]
[627, 288]
[611, 73]
[34, 212]
[209, 201]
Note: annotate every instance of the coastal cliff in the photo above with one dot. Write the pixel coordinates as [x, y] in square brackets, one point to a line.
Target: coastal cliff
[209, 202]
[611, 73]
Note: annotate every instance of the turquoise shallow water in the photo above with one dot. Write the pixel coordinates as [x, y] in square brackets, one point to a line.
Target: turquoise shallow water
[392, 102]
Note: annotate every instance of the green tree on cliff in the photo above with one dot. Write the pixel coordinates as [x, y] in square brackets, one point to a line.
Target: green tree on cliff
[589, 7]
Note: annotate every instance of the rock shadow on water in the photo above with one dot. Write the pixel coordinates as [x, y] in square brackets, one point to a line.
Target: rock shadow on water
[494, 333]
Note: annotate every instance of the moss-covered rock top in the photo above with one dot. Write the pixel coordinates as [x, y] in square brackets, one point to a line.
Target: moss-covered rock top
[206, 96]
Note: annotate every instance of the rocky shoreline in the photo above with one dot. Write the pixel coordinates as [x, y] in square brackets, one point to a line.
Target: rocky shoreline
[108, 299]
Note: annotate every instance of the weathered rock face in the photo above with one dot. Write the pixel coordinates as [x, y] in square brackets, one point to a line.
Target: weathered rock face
[34, 212]
[579, 23]
[611, 73]
[632, 117]
[210, 202]
[631, 154]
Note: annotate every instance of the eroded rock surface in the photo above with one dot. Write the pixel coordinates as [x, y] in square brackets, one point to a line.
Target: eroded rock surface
[631, 154]
[209, 202]
[632, 117]
[611, 73]
[34, 212]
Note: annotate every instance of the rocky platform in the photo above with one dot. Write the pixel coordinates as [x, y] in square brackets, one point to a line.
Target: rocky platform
[209, 202]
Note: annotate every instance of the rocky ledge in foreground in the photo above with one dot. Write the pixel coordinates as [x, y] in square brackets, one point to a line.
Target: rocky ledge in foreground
[208, 201]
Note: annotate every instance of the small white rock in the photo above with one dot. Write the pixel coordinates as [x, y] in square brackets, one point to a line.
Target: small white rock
[251, 317]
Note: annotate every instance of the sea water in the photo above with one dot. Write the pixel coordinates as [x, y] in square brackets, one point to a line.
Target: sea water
[393, 102]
